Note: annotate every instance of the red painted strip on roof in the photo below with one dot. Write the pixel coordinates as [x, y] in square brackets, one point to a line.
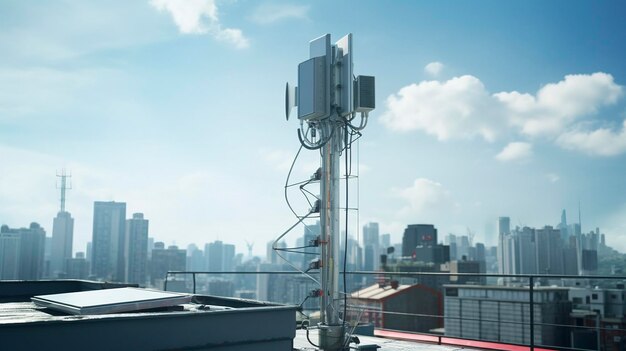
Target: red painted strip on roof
[452, 341]
[405, 336]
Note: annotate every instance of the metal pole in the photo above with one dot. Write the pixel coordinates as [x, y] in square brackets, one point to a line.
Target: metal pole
[532, 313]
[194, 282]
[331, 335]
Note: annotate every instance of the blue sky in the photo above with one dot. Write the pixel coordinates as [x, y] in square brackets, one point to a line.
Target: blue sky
[484, 109]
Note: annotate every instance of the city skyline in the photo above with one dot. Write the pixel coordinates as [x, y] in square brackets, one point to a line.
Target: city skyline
[145, 107]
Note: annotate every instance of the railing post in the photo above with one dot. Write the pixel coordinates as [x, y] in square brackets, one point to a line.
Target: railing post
[532, 312]
[193, 275]
[165, 281]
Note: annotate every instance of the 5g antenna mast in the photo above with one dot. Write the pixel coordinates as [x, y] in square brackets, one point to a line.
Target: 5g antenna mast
[328, 97]
[64, 186]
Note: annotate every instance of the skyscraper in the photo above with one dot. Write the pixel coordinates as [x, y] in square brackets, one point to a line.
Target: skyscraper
[371, 246]
[22, 252]
[418, 234]
[136, 249]
[9, 254]
[62, 235]
[549, 251]
[108, 241]
[164, 260]
[563, 227]
[504, 225]
[219, 256]
[506, 247]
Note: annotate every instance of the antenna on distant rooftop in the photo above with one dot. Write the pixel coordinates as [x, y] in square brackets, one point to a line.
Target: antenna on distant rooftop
[64, 186]
[328, 97]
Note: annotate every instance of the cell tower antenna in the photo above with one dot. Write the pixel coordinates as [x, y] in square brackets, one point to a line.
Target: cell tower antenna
[65, 185]
[329, 97]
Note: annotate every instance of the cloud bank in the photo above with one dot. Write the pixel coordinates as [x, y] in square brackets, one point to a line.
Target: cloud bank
[516, 151]
[200, 17]
[564, 113]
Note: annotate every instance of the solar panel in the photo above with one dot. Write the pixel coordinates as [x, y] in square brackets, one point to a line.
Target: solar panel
[107, 301]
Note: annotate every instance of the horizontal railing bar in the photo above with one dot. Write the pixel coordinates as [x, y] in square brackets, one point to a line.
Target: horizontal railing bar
[438, 316]
[410, 274]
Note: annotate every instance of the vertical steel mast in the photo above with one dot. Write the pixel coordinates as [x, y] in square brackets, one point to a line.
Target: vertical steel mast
[332, 331]
[328, 98]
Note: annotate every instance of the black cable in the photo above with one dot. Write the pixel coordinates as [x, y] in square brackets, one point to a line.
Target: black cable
[297, 247]
[307, 337]
[276, 249]
[298, 252]
[293, 163]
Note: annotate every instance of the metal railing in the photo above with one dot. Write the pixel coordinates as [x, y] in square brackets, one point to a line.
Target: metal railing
[524, 282]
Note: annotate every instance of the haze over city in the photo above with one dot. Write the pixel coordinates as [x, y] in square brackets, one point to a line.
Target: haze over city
[177, 109]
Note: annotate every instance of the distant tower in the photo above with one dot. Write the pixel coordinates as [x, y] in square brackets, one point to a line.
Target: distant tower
[504, 225]
[136, 249]
[62, 233]
[580, 222]
[563, 227]
[109, 228]
[64, 187]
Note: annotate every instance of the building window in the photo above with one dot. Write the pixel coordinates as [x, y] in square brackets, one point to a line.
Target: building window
[577, 300]
[594, 296]
[452, 292]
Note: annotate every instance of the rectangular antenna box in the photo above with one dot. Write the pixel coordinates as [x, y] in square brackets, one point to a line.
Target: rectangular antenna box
[311, 92]
[364, 94]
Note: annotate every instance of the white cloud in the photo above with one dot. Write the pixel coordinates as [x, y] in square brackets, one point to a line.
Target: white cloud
[457, 108]
[557, 105]
[599, 142]
[269, 13]
[434, 68]
[463, 108]
[515, 151]
[426, 198]
[200, 17]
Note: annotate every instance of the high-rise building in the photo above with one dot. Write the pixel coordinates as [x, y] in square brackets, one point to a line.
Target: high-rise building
[504, 225]
[109, 227]
[62, 235]
[385, 241]
[136, 249]
[22, 252]
[228, 258]
[9, 254]
[77, 267]
[418, 235]
[195, 258]
[371, 246]
[214, 255]
[220, 257]
[549, 251]
[563, 227]
[526, 251]
[371, 234]
[505, 246]
[164, 260]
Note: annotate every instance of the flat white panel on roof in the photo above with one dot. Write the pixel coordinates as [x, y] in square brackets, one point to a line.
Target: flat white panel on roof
[110, 300]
